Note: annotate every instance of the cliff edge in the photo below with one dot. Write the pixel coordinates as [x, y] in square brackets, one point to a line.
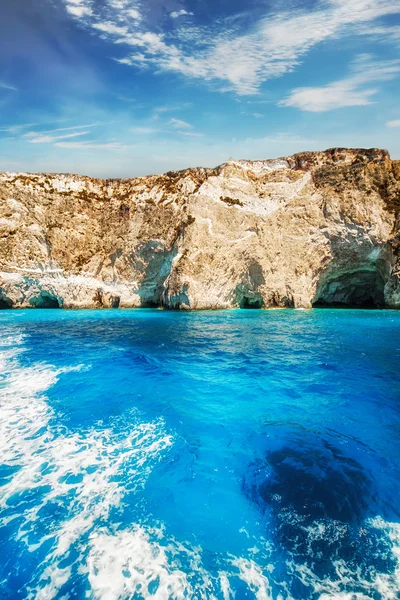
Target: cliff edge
[313, 229]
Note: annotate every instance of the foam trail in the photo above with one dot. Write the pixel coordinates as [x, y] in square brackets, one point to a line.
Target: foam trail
[361, 583]
[127, 563]
[252, 574]
[78, 471]
[66, 490]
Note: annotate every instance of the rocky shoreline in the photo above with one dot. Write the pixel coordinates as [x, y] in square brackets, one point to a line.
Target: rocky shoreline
[313, 229]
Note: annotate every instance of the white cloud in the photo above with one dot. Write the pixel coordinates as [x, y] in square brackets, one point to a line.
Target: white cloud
[387, 32]
[164, 109]
[6, 86]
[144, 130]
[48, 139]
[74, 128]
[242, 61]
[395, 123]
[111, 28]
[281, 138]
[180, 13]
[191, 133]
[79, 11]
[133, 13]
[93, 145]
[79, 8]
[352, 91]
[179, 124]
[16, 129]
[334, 95]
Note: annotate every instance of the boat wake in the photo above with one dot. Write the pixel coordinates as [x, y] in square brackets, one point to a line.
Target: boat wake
[73, 512]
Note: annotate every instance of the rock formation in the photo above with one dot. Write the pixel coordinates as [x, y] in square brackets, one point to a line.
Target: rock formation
[316, 228]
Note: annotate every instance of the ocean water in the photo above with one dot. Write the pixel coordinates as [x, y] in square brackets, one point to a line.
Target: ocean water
[215, 455]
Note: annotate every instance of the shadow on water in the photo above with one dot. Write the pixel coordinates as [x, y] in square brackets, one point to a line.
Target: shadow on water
[317, 501]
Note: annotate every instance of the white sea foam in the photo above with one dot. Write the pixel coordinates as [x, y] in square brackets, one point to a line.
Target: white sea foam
[143, 562]
[252, 574]
[347, 580]
[88, 473]
[128, 563]
[79, 471]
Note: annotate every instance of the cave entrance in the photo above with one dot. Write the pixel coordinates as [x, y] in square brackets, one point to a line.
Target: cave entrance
[45, 300]
[149, 304]
[5, 302]
[363, 288]
[251, 302]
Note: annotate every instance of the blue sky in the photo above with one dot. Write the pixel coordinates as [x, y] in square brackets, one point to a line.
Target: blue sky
[119, 88]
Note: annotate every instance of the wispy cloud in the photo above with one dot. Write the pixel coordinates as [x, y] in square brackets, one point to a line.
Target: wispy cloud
[16, 129]
[144, 130]
[180, 13]
[19, 128]
[93, 145]
[79, 11]
[133, 13]
[49, 139]
[395, 123]
[191, 133]
[171, 127]
[282, 138]
[7, 86]
[160, 110]
[352, 91]
[388, 32]
[274, 46]
[73, 128]
[179, 124]
[79, 8]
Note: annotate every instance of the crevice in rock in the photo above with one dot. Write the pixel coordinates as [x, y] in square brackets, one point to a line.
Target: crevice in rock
[156, 261]
[115, 301]
[177, 300]
[247, 294]
[102, 299]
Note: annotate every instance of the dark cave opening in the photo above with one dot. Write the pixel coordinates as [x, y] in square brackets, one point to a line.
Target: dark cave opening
[5, 302]
[369, 303]
[362, 289]
[149, 304]
[45, 300]
[115, 301]
[251, 302]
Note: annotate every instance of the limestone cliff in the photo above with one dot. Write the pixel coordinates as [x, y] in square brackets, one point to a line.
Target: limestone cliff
[311, 229]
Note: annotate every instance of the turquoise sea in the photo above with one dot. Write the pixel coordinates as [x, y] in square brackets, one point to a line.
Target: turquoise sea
[216, 455]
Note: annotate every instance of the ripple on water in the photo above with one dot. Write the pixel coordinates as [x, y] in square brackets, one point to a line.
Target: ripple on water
[217, 457]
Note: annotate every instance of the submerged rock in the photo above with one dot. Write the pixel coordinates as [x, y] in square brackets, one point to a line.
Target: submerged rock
[320, 506]
[316, 228]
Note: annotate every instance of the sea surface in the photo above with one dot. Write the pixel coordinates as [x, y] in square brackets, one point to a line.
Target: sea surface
[215, 455]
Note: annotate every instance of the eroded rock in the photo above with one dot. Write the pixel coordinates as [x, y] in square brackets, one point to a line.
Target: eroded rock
[318, 228]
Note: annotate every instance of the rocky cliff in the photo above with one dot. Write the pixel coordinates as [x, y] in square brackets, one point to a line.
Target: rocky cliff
[317, 228]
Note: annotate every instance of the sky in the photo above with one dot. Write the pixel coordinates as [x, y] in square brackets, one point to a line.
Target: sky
[122, 88]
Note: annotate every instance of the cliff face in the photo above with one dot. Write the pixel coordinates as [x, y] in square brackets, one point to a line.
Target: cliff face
[312, 229]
